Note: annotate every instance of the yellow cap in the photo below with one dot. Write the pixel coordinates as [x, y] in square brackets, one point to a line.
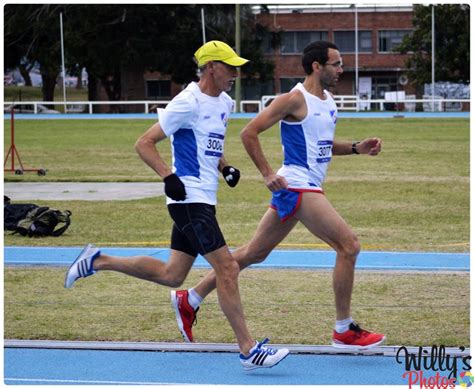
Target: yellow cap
[218, 51]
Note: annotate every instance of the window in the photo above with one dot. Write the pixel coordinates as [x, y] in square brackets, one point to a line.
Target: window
[383, 84]
[157, 89]
[286, 84]
[390, 39]
[267, 43]
[253, 89]
[345, 40]
[293, 42]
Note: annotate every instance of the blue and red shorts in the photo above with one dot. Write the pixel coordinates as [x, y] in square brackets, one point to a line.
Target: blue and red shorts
[287, 201]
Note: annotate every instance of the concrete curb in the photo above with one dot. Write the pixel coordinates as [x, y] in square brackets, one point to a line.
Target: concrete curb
[388, 351]
[86, 191]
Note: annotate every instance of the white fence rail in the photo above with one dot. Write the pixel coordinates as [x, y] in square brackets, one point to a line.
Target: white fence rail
[351, 103]
[80, 106]
[344, 103]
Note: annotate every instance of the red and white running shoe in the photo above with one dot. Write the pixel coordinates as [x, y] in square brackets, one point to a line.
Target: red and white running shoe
[185, 313]
[355, 338]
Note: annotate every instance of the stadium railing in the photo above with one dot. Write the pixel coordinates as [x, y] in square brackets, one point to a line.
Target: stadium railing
[343, 102]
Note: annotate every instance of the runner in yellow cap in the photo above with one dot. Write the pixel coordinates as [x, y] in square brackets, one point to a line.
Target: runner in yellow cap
[195, 121]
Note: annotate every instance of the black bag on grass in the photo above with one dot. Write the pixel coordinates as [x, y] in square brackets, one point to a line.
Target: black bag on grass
[42, 221]
[13, 213]
[35, 221]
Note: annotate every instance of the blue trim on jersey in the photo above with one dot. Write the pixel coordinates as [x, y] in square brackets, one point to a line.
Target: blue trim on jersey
[185, 153]
[213, 153]
[294, 145]
[215, 135]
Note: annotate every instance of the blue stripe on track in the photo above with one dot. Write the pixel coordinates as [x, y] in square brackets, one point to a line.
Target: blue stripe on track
[48, 366]
[311, 259]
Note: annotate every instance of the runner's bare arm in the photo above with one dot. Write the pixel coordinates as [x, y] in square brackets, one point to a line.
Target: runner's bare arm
[285, 106]
[369, 146]
[146, 149]
[222, 163]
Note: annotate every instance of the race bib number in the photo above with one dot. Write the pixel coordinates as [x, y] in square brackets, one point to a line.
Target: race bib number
[214, 145]
[324, 151]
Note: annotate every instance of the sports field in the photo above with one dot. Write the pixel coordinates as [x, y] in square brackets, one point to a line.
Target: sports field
[413, 197]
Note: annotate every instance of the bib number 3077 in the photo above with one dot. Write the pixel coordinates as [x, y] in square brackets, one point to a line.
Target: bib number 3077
[214, 145]
[324, 151]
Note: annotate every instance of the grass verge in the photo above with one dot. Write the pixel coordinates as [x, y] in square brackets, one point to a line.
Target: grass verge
[409, 308]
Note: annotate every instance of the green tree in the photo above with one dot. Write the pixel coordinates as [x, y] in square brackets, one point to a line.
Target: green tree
[108, 40]
[159, 38]
[32, 36]
[452, 39]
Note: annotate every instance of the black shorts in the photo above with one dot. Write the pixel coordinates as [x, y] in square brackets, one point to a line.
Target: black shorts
[195, 228]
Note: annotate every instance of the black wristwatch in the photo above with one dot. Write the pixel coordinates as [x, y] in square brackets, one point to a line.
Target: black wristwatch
[354, 150]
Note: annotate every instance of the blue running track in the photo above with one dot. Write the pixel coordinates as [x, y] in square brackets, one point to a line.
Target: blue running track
[83, 366]
[28, 366]
[367, 260]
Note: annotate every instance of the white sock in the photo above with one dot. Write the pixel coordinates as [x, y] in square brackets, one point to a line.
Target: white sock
[343, 325]
[194, 299]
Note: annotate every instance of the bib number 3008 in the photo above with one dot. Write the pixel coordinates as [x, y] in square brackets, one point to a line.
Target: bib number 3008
[214, 145]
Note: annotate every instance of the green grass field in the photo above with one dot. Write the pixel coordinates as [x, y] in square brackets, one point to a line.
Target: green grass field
[413, 197]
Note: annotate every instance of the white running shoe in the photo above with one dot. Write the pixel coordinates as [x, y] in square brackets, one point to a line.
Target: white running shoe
[263, 356]
[82, 266]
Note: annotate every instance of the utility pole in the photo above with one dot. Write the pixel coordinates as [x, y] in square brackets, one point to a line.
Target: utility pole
[433, 45]
[237, 49]
[357, 56]
[62, 60]
[203, 26]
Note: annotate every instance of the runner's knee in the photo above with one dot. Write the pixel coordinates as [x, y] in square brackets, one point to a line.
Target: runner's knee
[254, 255]
[350, 248]
[173, 280]
[227, 272]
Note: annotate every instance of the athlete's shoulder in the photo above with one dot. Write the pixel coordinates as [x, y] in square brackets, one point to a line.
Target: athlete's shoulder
[224, 96]
[293, 96]
[188, 97]
[227, 100]
[288, 106]
[329, 93]
[295, 99]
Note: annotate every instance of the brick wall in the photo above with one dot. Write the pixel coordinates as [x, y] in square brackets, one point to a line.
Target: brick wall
[288, 65]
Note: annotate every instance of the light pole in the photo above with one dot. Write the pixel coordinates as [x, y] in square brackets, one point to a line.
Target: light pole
[432, 56]
[62, 60]
[203, 24]
[237, 48]
[356, 56]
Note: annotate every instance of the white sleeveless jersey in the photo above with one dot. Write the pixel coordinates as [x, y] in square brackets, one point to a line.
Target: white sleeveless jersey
[307, 145]
[196, 124]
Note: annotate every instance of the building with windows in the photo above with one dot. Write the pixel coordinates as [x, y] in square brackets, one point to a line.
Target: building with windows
[371, 64]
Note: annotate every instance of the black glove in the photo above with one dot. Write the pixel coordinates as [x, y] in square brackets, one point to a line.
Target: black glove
[174, 188]
[231, 175]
